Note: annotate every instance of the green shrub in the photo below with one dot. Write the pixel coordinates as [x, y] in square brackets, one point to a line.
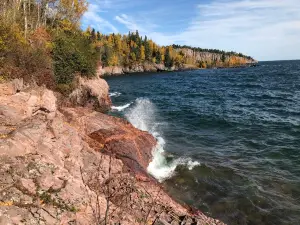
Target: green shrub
[72, 53]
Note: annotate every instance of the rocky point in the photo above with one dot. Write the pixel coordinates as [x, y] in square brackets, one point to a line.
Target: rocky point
[65, 162]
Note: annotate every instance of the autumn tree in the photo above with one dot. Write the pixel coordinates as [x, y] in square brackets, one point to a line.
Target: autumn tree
[142, 53]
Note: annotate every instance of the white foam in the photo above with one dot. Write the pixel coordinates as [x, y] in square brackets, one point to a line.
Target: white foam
[191, 164]
[143, 116]
[114, 94]
[120, 108]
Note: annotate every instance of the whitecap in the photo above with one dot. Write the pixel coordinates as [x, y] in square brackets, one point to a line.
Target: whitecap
[114, 94]
[120, 108]
[143, 116]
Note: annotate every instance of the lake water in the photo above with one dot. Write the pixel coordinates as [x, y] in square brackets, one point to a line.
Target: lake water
[229, 139]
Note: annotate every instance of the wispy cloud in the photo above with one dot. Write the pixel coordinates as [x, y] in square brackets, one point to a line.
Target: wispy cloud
[128, 22]
[92, 17]
[116, 4]
[144, 28]
[265, 29]
[262, 28]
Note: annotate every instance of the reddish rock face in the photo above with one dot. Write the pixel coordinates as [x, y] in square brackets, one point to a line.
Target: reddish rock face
[91, 93]
[115, 136]
[52, 167]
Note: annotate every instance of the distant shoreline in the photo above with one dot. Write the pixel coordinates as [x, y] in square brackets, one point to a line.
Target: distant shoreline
[154, 68]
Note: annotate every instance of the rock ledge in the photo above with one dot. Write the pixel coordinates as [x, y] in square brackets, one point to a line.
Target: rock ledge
[73, 165]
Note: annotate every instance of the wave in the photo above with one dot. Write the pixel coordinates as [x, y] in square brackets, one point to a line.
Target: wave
[114, 94]
[143, 117]
[121, 108]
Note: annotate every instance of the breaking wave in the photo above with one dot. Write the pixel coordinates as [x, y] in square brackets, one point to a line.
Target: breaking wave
[121, 108]
[143, 116]
[114, 94]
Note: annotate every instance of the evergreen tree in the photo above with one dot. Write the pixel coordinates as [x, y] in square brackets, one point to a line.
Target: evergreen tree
[98, 36]
[223, 57]
[148, 52]
[158, 57]
[93, 35]
[168, 58]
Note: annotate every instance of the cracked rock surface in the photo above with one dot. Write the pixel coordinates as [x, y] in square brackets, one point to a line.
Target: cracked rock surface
[77, 166]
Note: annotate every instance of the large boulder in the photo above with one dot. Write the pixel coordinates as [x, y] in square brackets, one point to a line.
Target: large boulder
[93, 93]
[114, 136]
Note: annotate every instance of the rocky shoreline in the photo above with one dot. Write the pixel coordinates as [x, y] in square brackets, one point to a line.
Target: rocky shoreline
[63, 161]
[153, 68]
[140, 68]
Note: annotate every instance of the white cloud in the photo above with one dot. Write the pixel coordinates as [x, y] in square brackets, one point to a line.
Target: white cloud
[264, 29]
[128, 22]
[144, 28]
[92, 18]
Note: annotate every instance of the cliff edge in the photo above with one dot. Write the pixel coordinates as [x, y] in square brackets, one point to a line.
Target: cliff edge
[62, 162]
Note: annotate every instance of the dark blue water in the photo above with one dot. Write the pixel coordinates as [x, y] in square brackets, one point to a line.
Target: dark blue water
[241, 125]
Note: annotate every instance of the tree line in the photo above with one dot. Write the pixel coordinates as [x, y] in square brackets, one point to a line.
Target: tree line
[217, 51]
[127, 50]
[41, 41]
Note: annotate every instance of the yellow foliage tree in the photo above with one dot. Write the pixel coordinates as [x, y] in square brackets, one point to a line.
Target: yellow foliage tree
[142, 53]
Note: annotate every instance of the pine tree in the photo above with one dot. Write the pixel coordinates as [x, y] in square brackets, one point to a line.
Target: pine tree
[158, 57]
[93, 35]
[223, 58]
[98, 36]
[168, 58]
[148, 50]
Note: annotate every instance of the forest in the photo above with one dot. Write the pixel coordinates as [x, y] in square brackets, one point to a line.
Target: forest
[126, 50]
[42, 41]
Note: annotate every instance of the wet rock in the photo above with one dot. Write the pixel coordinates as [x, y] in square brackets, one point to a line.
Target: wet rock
[115, 136]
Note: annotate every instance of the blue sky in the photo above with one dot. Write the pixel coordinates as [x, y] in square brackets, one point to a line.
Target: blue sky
[264, 29]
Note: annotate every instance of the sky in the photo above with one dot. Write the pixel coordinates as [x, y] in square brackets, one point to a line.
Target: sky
[263, 29]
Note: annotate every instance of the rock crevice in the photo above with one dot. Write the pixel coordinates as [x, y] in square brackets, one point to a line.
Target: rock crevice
[73, 165]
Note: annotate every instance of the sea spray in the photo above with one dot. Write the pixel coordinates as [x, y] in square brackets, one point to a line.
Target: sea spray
[143, 116]
[121, 108]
